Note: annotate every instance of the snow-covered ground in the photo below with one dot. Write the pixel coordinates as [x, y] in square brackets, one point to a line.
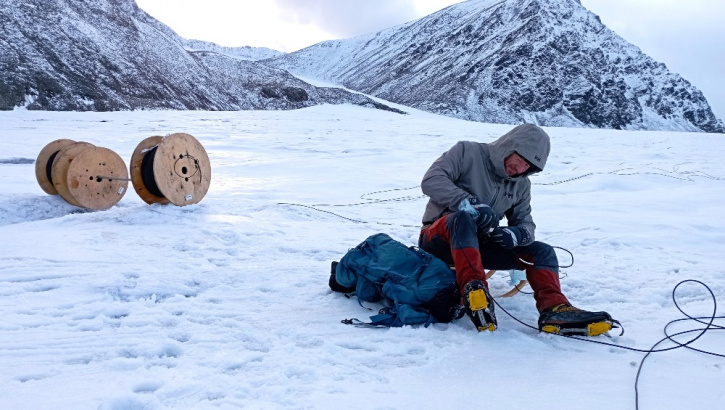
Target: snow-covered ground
[225, 304]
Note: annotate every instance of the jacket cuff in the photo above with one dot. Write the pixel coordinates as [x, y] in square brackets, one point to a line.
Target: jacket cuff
[457, 201]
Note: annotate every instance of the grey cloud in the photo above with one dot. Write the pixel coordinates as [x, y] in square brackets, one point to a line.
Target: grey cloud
[348, 18]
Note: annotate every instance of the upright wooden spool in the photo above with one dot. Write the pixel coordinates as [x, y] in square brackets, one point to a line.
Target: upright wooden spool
[60, 167]
[81, 173]
[43, 164]
[136, 174]
[97, 178]
[181, 169]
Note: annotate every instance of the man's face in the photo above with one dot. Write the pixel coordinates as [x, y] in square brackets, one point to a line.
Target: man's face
[515, 165]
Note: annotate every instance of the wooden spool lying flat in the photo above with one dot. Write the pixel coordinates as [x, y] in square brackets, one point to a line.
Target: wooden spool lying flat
[59, 172]
[136, 177]
[41, 164]
[91, 178]
[181, 169]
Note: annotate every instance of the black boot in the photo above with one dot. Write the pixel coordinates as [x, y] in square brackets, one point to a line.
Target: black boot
[446, 305]
[333, 282]
[568, 320]
[479, 306]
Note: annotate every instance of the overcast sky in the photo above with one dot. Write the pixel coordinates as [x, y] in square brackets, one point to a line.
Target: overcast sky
[688, 36]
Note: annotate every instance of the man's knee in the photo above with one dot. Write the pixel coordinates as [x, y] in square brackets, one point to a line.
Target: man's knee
[543, 255]
[462, 228]
[436, 246]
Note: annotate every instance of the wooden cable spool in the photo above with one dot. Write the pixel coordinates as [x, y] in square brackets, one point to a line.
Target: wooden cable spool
[44, 163]
[136, 174]
[59, 170]
[97, 178]
[173, 169]
[82, 174]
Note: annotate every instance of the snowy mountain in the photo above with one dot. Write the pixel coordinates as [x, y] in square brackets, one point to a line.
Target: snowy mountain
[110, 55]
[242, 53]
[550, 62]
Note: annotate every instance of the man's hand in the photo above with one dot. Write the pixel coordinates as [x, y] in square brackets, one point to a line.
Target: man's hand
[486, 218]
[483, 214]
[507, 238]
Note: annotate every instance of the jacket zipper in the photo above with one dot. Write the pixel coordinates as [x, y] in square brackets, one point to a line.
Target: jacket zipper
[495, 197]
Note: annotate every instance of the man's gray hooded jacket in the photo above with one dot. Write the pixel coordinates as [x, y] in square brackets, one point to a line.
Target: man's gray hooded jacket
[476, 170]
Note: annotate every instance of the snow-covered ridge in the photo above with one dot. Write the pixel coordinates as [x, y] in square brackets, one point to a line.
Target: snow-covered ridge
[550, 62]
[242, 53]
[106, 55]
[504, 61]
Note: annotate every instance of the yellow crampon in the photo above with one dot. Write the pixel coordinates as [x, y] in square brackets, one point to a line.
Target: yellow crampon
[491, 327]
[592, 329]
[478, 300]
[478, 304]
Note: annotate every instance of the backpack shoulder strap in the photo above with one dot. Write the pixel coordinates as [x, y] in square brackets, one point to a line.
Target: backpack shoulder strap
[397, 316]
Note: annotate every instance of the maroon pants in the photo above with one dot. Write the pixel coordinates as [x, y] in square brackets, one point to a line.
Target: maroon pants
[454, 239]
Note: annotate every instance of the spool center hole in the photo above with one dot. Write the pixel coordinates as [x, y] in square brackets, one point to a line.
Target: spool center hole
[184, 170]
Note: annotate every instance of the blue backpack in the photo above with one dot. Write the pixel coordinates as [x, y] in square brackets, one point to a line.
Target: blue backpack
[416, 287]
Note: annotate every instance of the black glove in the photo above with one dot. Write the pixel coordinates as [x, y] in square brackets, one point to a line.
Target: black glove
[486, 219]
[483, 214]
[508, 237]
